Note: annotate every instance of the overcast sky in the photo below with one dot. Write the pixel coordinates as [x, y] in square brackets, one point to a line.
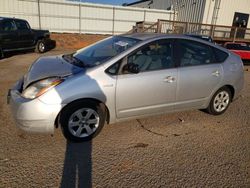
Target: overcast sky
[111, 2]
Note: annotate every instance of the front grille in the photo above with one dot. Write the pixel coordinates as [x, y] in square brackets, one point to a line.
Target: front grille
[20, 85]
[21, 88]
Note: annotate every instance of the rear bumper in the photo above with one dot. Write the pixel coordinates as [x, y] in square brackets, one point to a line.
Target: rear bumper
[239, 85]
[32, 115]
[50, 44]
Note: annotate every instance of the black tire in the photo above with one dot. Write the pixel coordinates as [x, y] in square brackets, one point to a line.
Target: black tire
[1, 53]
[68, 114]
[222, 104]
[41, 46]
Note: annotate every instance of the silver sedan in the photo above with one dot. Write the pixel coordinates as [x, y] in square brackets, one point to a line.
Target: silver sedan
[124, 77]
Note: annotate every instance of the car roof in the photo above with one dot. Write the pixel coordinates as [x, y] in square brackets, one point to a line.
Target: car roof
[152, 36]
[197, 35]
[148, 36]
[144, 36]
[8, 18]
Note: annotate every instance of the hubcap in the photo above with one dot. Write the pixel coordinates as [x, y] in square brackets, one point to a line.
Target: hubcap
[221, 101]
[41, 46]
[83, 122]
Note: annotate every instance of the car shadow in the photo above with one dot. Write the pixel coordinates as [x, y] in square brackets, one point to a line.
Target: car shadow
[246, 62]
[13, 53]
[10, 54]
[77, 171]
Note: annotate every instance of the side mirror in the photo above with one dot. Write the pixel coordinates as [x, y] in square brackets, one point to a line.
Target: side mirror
[131, 68]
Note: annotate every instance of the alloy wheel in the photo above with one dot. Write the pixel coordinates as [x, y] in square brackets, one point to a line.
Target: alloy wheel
[221, 101]
[83, 122]
[41, 47]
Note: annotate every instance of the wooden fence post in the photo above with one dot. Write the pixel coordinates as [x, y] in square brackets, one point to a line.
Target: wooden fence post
[186, 27]
[212, 31]
[159, 24]
[235, 33]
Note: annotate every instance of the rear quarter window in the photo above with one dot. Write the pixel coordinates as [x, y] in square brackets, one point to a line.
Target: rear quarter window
[219, 55]
[22, 25]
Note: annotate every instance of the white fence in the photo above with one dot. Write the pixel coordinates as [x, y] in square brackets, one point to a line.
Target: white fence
[72, 17]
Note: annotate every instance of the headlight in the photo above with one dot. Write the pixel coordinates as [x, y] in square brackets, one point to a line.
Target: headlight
[40, 87]
[47, 35]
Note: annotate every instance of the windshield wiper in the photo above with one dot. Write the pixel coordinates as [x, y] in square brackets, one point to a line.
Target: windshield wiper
[78, 60]
[74, 60]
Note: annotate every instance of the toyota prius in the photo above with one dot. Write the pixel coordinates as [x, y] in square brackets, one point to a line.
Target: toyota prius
[124, 77]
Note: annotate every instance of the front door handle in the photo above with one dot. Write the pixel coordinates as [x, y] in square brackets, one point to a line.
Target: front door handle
[169, 79]
[216, 73]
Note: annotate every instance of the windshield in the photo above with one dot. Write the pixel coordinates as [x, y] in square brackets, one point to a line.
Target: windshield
[104, 50]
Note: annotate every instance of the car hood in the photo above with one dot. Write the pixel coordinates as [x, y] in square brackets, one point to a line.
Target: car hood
[52, 66]
[40, 30]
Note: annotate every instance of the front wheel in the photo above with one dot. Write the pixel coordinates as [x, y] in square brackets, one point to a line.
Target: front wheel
[220, 101]
[41, 46]
[1, 53]
[82, 120]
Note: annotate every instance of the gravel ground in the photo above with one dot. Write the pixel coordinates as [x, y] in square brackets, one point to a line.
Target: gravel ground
[186, 149]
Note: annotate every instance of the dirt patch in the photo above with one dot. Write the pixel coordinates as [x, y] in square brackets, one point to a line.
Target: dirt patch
[75, 41]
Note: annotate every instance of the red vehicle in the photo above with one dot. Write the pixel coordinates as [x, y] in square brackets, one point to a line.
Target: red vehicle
[242, 49]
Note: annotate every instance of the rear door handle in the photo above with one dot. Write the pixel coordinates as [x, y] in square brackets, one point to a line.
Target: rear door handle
[169, 79]
[216, 73]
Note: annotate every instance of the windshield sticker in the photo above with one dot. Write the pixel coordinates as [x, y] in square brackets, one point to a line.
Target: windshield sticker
[121, 43]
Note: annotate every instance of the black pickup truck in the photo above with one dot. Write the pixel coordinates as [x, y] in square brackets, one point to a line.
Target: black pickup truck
[16, 34]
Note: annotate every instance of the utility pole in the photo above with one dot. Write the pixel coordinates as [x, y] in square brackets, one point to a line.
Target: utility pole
[39, 13]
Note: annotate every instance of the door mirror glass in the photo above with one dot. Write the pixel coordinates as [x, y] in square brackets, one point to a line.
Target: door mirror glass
[131, 68]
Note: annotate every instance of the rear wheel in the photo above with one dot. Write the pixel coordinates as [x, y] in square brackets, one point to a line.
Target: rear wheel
[1, 53]
[41, 46]
[220, 101]
[82, 120]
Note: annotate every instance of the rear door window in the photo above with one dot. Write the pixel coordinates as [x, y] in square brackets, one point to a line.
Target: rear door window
[192, 53]
[22, 25]
[7, 25]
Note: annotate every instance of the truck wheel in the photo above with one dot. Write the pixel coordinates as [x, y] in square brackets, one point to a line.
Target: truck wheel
[82, 120]
[1, 53]
[41, 46]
